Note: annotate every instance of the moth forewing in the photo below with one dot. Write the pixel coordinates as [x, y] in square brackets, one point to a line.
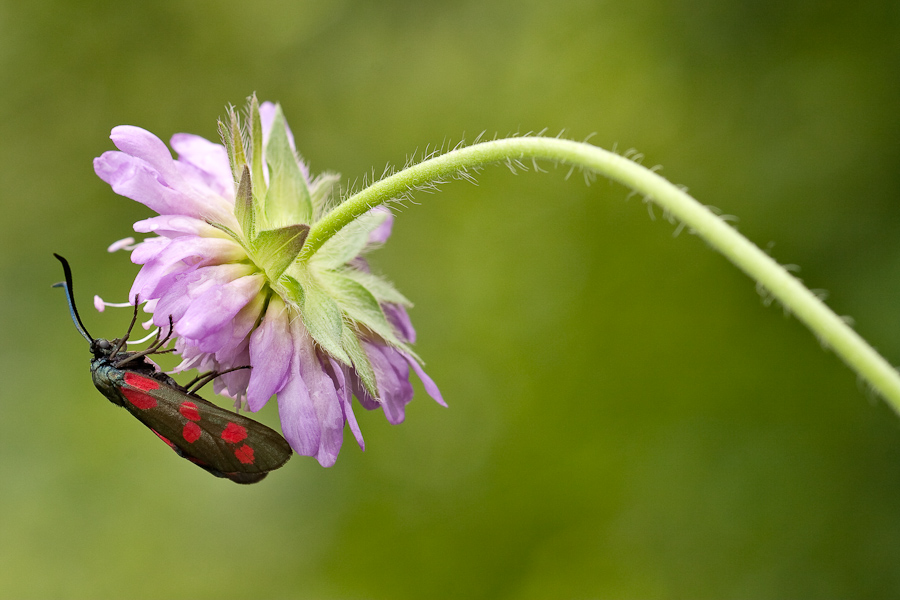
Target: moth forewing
[217, 439]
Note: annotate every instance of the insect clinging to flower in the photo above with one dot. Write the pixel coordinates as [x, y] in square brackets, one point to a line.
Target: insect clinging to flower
[226, 266]
[217, 440]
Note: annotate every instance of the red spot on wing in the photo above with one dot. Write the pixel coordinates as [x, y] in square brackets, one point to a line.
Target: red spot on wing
[163, 438]
[189, 411]
[141, 382]
[234, 433]
[138, 398]
[245, 454]
[191, 432]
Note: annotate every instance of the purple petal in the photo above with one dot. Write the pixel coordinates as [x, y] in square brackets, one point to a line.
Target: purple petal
[133, 178]
[190, 249]
[154, 280]
[214, 341]
[208, 162]
[323, 394]
[392, 377]
[235, 351]
[218, 305]
[362, 394]
[185, 253]
[183, 288]
[148, 250]
[235, 383]
[427, 382]
[391, 367]
[339, 373]
[230, 342]
[142, 144]
[297, 415]
[380, 234]
[397, 316]
[271, 350]
[172, 226]
[192, 358]
[310, 411]
[175, 300]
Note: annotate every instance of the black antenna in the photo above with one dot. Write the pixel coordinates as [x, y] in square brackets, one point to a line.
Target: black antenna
[68, 285]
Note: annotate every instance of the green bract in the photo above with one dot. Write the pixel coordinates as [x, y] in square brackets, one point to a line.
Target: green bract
[276, 203]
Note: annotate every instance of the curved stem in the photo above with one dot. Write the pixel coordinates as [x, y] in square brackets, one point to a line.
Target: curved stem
[831, 330]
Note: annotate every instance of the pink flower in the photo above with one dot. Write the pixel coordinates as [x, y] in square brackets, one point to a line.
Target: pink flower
[224, 265]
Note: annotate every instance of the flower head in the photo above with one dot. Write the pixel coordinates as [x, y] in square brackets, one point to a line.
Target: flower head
[225, 264]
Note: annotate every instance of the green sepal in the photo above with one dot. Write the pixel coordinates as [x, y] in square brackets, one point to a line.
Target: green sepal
[320, 191]
[359, 304]
[349, 242]
[275, 249]
[238, 156]
[228, 142]
[256, 148]
[232, 234]
[230, 132]
[287, 199]
[360, 360]
[383, 290]
[321, 316]
[243, 205]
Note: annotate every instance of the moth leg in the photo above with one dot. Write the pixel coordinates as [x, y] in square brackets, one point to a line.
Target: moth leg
[203, 378]
[121, 342]
[157, 344]
[154, 347]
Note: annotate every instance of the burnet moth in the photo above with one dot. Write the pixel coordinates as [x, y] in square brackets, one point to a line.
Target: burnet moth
[215, 439]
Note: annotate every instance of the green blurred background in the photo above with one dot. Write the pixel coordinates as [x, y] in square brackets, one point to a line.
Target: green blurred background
[627, 418]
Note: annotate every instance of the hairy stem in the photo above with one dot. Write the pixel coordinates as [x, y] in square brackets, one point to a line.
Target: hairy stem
[825, 324]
